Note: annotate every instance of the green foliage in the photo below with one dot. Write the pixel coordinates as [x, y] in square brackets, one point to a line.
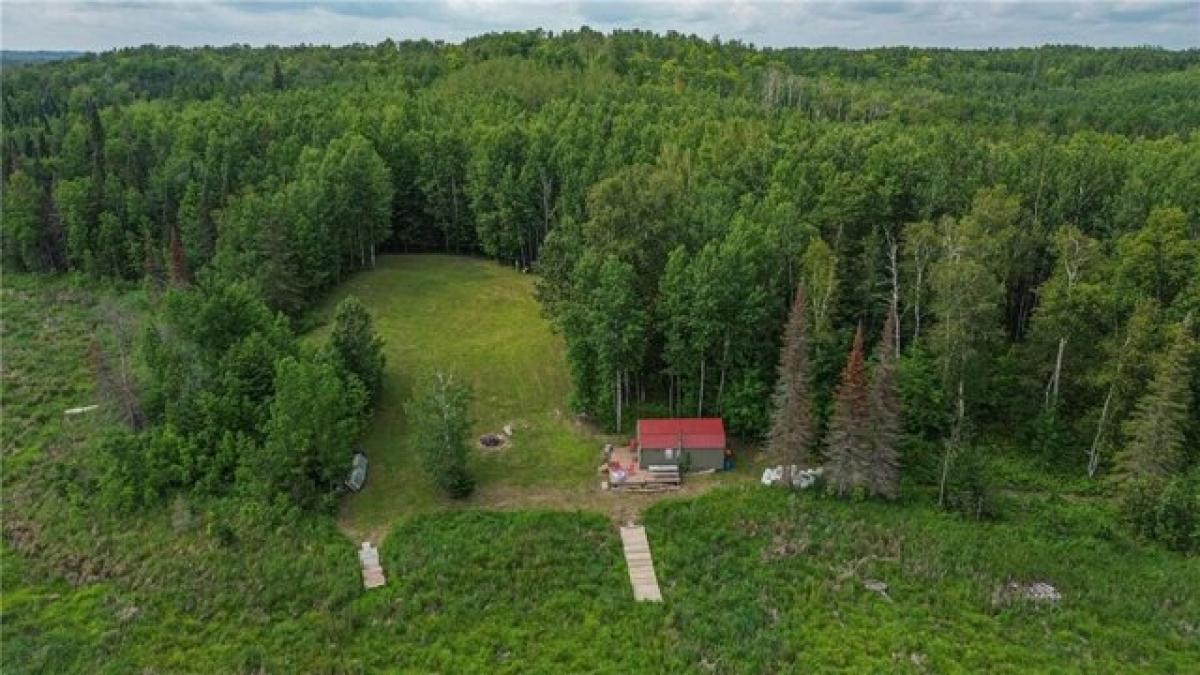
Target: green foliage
[355, 346]
[438, 415]
[1160, 258]
[1166, 510]
[970, 487]
[274, 168]
[22, 232]
[925, 414]
[1158, 428]
[315, 417]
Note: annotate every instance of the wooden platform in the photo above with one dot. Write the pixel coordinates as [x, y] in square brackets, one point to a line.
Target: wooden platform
[636, 479]
[372, 573]
[641, 566]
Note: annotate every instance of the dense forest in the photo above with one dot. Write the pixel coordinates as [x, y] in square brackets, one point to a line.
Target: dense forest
[1031, 216]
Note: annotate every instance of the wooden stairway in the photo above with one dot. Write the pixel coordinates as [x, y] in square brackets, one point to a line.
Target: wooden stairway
[372, 573]
[641, 566]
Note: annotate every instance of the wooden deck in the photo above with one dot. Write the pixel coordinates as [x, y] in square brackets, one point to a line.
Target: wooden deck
[372, 573]
[641, 566]
[634, 478]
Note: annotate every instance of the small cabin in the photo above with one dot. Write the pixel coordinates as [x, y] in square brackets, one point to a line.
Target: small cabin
[697, 443]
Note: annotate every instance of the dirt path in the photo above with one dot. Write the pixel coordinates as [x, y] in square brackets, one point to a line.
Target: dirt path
[622, 508]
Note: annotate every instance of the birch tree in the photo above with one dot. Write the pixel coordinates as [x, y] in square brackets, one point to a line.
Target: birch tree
[921, 246]
[820, 278]
[966, 301]
[1075, 250]
[440, 422]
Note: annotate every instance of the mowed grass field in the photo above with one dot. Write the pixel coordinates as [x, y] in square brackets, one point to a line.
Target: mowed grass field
[480, 321]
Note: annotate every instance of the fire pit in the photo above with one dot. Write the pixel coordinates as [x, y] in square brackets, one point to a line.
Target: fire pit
[492, 441]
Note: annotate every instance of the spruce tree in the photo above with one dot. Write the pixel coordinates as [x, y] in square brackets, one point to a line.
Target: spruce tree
[850, 439]
[355, 345]
[1156, 431]
[883, 466]
[791, 424]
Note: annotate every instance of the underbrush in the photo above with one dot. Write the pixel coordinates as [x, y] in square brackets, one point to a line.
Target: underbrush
[755, 580]
[761, 580]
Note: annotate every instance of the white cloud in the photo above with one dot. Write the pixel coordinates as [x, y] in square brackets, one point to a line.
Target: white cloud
[104, 24]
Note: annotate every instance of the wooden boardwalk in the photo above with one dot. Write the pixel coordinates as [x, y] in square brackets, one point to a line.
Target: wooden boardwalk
[372, 573]
[641, 566]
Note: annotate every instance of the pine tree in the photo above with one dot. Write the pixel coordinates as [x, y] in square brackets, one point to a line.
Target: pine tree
[1156, 431]
[884, 405]
[791, 424]
[850, 438]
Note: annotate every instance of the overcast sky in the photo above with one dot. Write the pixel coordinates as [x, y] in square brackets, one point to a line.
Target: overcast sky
[104, 24]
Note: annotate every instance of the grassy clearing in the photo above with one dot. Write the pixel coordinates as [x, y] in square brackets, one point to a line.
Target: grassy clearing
[479, 320]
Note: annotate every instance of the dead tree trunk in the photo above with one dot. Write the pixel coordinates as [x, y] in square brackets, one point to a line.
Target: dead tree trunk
[1052, 385]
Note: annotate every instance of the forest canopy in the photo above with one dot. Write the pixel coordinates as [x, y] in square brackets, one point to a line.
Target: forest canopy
[1030, 215]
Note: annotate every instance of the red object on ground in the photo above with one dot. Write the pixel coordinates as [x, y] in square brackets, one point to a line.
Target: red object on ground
[690, 433]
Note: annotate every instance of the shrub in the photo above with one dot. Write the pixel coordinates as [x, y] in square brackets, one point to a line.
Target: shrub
[1166, 510]
[969, 484]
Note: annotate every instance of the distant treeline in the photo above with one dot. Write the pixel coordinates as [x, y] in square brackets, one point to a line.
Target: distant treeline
[12, 57]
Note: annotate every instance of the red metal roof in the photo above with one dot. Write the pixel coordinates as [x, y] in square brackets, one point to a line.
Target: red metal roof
[694, 433]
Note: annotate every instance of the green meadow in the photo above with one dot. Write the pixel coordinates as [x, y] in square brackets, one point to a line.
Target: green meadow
[478, 320]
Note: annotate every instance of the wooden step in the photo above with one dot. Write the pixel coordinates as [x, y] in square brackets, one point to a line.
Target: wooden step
[372, 572]
[641, 565]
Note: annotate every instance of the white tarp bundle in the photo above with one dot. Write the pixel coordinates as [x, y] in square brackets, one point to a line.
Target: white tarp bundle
[801, 478]
[1038, 591]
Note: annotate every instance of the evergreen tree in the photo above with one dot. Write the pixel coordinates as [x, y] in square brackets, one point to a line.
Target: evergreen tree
[1157, 429]
[355, 346]
[850, 442]
[791, 432]
[883, 466]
